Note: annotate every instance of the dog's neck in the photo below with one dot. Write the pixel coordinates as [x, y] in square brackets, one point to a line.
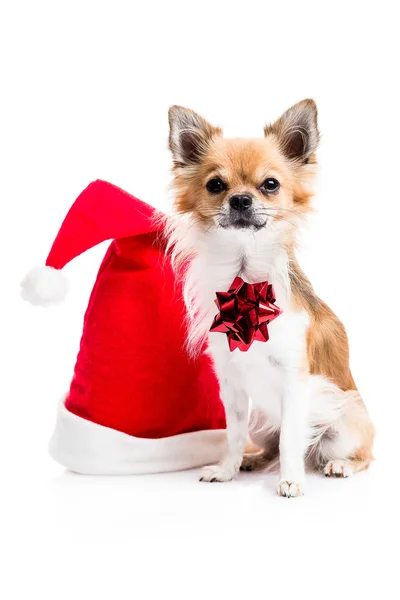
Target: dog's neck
[217, 256]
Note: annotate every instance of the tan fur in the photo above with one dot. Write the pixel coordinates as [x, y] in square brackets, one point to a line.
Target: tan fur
[243, 165]
[328, 355]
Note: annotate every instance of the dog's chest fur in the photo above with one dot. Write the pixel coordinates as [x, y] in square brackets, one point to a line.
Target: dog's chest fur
[263, 370]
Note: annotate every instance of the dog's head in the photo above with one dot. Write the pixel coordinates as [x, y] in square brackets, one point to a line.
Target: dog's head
[245, 184]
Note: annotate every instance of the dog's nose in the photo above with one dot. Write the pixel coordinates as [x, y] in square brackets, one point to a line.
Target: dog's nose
[241, 202]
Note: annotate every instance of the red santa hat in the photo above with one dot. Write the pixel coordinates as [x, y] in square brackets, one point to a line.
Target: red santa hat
[137, 402]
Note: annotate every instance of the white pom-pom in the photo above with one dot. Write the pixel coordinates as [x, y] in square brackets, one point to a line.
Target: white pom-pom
[43, 286]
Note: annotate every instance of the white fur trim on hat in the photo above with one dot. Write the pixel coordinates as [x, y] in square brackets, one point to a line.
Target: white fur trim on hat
[92, 449]
[43, 286]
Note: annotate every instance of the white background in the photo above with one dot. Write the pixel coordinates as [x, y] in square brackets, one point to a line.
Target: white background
[85, 89]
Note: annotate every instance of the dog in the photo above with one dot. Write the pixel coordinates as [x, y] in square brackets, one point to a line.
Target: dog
[238, 204]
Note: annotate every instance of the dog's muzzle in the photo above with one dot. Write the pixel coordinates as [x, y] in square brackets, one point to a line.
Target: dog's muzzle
[241, 213]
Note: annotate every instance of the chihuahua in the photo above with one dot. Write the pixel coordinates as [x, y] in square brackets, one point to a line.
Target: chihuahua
[238, 206]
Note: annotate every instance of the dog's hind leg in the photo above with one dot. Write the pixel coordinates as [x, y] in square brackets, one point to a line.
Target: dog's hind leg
[347, 447]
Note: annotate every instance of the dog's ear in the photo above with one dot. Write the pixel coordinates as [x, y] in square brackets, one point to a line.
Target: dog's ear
[297, 130]
[189, 135]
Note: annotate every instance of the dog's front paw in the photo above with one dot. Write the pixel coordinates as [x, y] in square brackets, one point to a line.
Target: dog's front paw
[290, 489]
[217, 473]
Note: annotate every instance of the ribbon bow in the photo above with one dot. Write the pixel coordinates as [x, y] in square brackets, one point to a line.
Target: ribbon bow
[244, 313]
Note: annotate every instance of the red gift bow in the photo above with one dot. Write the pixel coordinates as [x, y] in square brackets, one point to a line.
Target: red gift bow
[244, 313]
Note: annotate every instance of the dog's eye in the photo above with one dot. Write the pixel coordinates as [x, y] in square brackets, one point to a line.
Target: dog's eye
[216, 186]
[270, 185]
